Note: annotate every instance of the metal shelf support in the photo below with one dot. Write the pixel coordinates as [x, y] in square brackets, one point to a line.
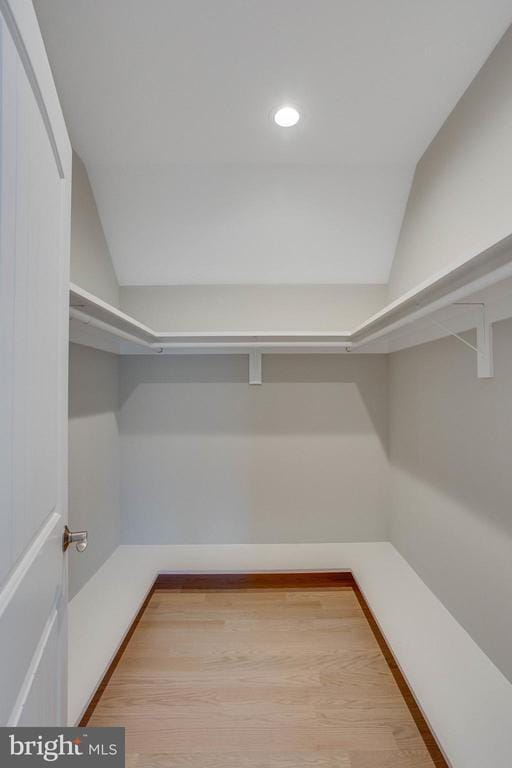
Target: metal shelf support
[484, 343]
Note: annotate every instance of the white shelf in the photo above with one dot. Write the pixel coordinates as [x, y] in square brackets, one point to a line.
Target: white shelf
[84, 305]
[405, 322]
[447, 287]
[98, 319]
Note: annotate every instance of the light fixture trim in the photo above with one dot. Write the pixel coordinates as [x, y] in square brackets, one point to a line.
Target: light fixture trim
[286, 116]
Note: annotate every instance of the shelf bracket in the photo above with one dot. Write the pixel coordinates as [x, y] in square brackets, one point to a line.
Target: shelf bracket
[484, 343]
[255, 368]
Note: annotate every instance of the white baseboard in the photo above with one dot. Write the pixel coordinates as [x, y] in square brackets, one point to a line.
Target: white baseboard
[465, 698]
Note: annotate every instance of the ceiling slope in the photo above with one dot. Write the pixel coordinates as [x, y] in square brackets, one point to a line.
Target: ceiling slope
[169, 104]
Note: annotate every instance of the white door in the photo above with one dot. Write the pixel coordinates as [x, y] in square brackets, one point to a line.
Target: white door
[35, 183]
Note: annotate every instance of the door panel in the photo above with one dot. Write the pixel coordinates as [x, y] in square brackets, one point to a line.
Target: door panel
[7, 292]
[35, 593]
[42, 701]
[35, 179]
[38, 210]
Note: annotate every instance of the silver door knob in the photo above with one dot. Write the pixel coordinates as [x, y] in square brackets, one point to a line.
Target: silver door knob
[74, 537]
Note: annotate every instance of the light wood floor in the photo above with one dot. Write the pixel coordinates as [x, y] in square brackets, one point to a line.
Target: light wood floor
[259, 679]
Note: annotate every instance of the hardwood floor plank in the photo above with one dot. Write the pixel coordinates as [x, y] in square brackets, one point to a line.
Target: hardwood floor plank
[142, 737]
[412, 758]
[170, 696]
[240, 760]
[259, 678]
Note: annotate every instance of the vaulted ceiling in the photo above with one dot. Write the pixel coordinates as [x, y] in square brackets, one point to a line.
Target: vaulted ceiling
[169, 103]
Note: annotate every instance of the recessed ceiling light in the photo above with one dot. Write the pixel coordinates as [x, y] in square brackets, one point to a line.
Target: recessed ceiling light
[286, 117]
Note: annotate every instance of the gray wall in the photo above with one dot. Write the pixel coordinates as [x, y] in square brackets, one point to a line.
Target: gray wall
[91, 265]
[94, 458]
[208, 458]
[94, 448]
[460, 201]
[253, 307]
[451, 482]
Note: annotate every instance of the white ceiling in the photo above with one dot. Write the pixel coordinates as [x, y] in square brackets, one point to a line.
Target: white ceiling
[169, 105]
